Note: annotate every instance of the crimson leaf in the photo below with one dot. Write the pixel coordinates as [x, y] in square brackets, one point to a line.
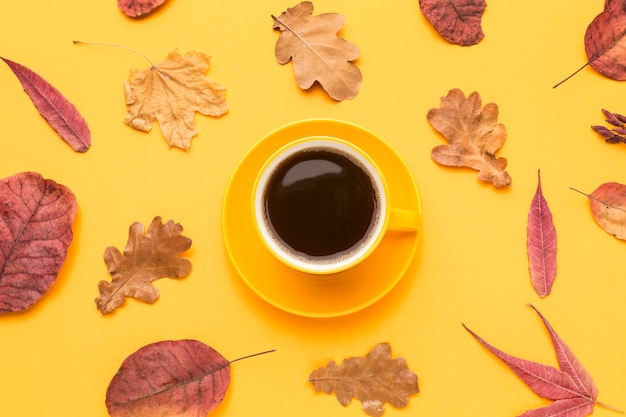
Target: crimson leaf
[36, 217]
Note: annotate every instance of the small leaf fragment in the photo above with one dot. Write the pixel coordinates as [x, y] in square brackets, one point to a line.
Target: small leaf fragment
[608, 208]
[146, 258]
[541, 244]
[183, 378]
[373, 379]
[36, 218]
[317, 52]
[473, 133]
[58, 111]
[171, 92]
[458, 21]
[138, 8]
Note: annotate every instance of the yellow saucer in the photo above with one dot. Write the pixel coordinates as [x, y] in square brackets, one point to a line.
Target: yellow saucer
[297, 292]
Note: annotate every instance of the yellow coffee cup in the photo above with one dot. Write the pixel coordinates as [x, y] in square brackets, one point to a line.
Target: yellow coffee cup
[321, 205]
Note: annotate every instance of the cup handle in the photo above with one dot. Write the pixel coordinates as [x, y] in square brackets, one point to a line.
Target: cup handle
[403, 220]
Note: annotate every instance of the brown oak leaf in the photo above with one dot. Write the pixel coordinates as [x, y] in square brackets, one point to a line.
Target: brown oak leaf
[373, 379]
[171, 92]
[458, 21]
[474, 136]
[317, 52]
[146, 258]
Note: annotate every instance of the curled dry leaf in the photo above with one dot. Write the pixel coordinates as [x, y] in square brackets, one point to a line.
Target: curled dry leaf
[138, 8]
[608, 208]
[571, 387]
[184, 378]
[146, 258]
[58, 111]
[171, 92]
[36, 217]
[458, 21]
[317, 52]
[373, 379]
[474, 136]
[541, 243]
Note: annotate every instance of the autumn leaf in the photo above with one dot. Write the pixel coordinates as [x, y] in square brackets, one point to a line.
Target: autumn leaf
[183, 378]
[138, 8]
[58, 111]
[146, 258]
[605, 40]
[474, 136]
[458, 21]
[170, 92]
[36, 217]
[373, 379]
[617, 131]
[571, 387]
[317, 52]
[608, 207]
[541, 243]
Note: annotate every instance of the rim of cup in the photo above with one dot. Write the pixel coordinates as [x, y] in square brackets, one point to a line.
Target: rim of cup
[269, 168]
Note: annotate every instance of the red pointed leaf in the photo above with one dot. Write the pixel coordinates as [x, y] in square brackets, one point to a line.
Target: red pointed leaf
[541, 244]
[569, 364]
[54, 107]
[545, 380]
[36, 217]
[570, 407]
[138, 8]
[458, 21]
[183, 378]
[605, 40]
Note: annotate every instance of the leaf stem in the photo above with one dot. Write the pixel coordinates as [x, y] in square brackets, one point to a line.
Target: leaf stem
[570, 76]
[253, 355]
[578, 191]
[609, 407]
[116, 46]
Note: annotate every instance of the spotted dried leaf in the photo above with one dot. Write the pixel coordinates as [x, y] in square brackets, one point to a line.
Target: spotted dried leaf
[374, 380]
[138, 8]
[146, 258]
[608, 208]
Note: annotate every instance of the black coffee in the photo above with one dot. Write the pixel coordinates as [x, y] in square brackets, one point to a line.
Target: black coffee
[320, 203]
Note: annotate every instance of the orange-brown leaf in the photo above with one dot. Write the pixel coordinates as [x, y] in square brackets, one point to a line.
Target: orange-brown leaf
[474, 135]
[146, 258]
[608, 207]
[317, 52]
[374, 379]
[171, 92]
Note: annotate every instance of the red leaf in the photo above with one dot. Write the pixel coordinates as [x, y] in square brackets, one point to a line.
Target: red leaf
[183, 378]
[541, 244]
[608, 207]
[605, 40]
[138, 8]
[36, 216]
[56, 109]
[571, 386]
[458, 21]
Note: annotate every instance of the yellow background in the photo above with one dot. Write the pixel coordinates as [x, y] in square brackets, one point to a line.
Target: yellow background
[57, 358]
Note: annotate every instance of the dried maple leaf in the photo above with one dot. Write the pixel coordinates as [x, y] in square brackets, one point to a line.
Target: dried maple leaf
[138, 8]
[317, 52]
[147, 257]
[474, 136]
[36, 217]
[170, 92]
[58, 111]
[373, 380]
[458, 21]
[541, 243]
[571, 387]
[608, 207]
